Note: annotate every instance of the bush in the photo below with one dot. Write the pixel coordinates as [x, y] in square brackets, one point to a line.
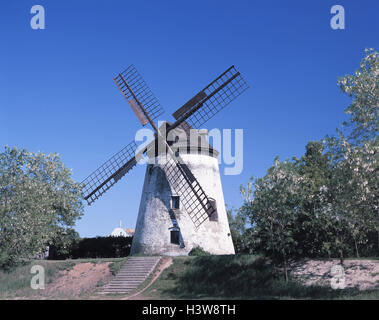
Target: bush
[99, 247]
[198, 251]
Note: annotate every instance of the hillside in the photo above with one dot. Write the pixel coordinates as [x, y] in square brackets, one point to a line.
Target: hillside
[64, 279]
[202, 277]
[253, 277]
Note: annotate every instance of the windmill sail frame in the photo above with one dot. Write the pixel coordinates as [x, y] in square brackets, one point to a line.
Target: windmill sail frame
[193, 114]
[215, 97]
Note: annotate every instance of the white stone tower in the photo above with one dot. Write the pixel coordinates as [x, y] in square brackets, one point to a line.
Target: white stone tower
[163, 226]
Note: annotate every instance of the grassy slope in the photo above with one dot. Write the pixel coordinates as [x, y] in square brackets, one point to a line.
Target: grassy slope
[237, 277]
[16, 283]
[207, 277]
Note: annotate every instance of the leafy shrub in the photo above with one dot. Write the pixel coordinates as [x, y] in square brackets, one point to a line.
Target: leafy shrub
[198, 251]
[99, 247]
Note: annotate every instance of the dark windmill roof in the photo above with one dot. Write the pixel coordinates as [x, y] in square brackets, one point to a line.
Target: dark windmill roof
[183, 139]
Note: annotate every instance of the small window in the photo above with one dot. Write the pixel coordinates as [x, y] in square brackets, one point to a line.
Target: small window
[212, 210]
[174, 236]
[175, 202]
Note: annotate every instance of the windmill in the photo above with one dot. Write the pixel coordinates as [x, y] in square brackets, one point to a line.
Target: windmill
[182, 204]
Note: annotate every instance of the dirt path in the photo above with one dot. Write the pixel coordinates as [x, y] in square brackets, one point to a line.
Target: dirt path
[165, 263]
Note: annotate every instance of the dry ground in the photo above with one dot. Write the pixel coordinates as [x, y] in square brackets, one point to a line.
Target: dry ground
[81, 279]
[360, 274]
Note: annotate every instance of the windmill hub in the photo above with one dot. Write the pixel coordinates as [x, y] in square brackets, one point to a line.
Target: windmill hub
[180, 141]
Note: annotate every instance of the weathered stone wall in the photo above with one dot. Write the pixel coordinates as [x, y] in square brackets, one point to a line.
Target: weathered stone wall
[152, 234]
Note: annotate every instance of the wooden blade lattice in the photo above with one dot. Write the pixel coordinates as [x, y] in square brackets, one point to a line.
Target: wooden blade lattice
[212, 99]
[99, 181]
[192, 195]
[133, 87]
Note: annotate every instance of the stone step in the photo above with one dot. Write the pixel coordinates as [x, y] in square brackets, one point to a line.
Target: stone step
[125, 284]
[144, 268]
[131, 275]
[122, 281]
[121, 286]
[135, 271]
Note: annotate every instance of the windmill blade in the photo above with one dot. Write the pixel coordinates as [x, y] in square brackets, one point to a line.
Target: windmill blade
[99, 181]
[212, 99]
[183, 182]
[139, 96]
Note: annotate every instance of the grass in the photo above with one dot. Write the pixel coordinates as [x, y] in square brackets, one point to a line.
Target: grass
[16, 283]
[115, 266]
[192, 277]
[237, 277]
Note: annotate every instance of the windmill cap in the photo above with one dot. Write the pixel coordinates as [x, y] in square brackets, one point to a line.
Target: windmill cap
[185, 140]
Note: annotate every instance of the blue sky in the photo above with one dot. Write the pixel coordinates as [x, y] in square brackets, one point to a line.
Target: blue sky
[57, 93]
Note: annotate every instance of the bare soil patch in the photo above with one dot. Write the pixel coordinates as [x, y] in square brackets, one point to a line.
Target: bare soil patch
[359, 274]
[81, 279]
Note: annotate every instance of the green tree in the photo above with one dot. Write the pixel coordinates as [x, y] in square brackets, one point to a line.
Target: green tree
[354, 152]
[363, 88]
[237, 224]
[272, 208]
[63, 244]
[313, 220]
[38, 199]
[326, 202]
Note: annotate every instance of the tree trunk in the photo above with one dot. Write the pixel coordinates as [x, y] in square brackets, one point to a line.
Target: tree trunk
[356, 247]
[341, 253]
[285, 269]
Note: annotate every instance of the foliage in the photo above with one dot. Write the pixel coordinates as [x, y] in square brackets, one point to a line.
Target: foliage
[325, 203]
[353, 189]
[363, 88]
[62, 245]
[273, 212]
[99, 247]
[198, 251]
[116, 266]
[38, 201]
[237, 224]
[249, 277]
